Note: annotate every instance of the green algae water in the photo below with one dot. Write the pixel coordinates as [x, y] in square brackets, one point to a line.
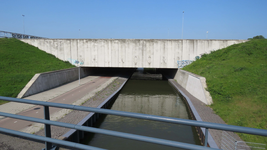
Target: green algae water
[154, 97]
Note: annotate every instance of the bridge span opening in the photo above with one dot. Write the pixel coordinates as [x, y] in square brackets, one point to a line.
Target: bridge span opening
[116, 71]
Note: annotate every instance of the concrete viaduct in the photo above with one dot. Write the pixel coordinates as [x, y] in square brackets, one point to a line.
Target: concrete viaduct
[128, 53]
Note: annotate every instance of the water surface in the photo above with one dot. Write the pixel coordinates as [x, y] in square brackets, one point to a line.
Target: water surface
[154, 97]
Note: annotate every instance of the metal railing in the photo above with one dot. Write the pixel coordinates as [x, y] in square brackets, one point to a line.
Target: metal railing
[49, 142]
[229, 142]
[18, 35]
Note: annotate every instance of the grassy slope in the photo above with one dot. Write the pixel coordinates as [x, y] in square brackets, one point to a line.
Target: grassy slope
[19, 62]
[237, 81]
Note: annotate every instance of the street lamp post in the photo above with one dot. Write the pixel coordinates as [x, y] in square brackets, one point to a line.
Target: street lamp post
[23, 23]
[182, 24]
[207, 35]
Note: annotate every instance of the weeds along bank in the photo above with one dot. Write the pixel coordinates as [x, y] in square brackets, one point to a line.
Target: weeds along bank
[20, 62]
[236, 77]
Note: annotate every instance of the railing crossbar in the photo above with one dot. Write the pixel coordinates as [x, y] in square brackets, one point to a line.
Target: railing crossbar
[111, 133]
[210, 125]
[50, 140]
[206, 125]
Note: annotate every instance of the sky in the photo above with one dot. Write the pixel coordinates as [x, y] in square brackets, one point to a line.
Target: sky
[135, 19]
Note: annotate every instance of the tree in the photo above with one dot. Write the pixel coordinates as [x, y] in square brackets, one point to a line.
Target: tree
[257, 37]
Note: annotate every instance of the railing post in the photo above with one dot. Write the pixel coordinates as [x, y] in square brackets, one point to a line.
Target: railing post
[48, 145]
[206, 136]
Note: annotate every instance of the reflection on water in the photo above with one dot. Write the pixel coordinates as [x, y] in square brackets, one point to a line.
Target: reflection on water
[161, 105]
[147, 97]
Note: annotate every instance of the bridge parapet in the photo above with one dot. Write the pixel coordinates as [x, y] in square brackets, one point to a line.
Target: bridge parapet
[130, 53]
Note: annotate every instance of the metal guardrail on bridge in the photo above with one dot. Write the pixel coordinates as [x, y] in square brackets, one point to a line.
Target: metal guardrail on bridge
[18, 35]
[49, 141]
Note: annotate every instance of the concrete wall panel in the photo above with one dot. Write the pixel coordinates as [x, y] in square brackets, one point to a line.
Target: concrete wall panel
[195, 85]
[133, 53]
[48, 80]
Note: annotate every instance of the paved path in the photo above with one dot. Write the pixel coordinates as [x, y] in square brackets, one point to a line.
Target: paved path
[207, 115]
[7, 142]
[14, 108]
[70, 93]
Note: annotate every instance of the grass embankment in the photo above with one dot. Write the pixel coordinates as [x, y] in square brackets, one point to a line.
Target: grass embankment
[237, 81]
[20, 62]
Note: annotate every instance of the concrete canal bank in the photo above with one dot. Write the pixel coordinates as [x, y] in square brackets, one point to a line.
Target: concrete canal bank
[199, 110]
[152, 97]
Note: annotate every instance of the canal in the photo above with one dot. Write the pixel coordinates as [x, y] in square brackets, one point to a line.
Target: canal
[154, 97]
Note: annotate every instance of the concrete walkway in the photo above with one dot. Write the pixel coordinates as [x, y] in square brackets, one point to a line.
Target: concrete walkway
[207, 115]
[54, 94]
[14, 107]
[7, 142]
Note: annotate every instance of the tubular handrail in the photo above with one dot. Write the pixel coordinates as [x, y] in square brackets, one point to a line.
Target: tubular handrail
[111, 133]
[46, 139]
[22, 36]
[209, 125]
[47, 123]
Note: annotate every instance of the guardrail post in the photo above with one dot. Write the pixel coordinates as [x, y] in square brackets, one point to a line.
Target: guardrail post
[48, 145]
[206, 136]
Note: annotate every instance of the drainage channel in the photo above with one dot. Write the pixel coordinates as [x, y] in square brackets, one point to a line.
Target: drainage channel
[154, 97]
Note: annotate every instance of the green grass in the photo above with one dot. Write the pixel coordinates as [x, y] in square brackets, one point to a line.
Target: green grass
[19, 62]
[237, 81]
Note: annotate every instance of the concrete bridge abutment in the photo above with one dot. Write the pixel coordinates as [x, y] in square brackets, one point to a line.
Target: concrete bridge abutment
[128, 53]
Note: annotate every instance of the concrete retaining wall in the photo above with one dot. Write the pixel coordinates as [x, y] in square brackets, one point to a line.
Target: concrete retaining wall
[194, 84]
[48, 80]
[137, 53]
